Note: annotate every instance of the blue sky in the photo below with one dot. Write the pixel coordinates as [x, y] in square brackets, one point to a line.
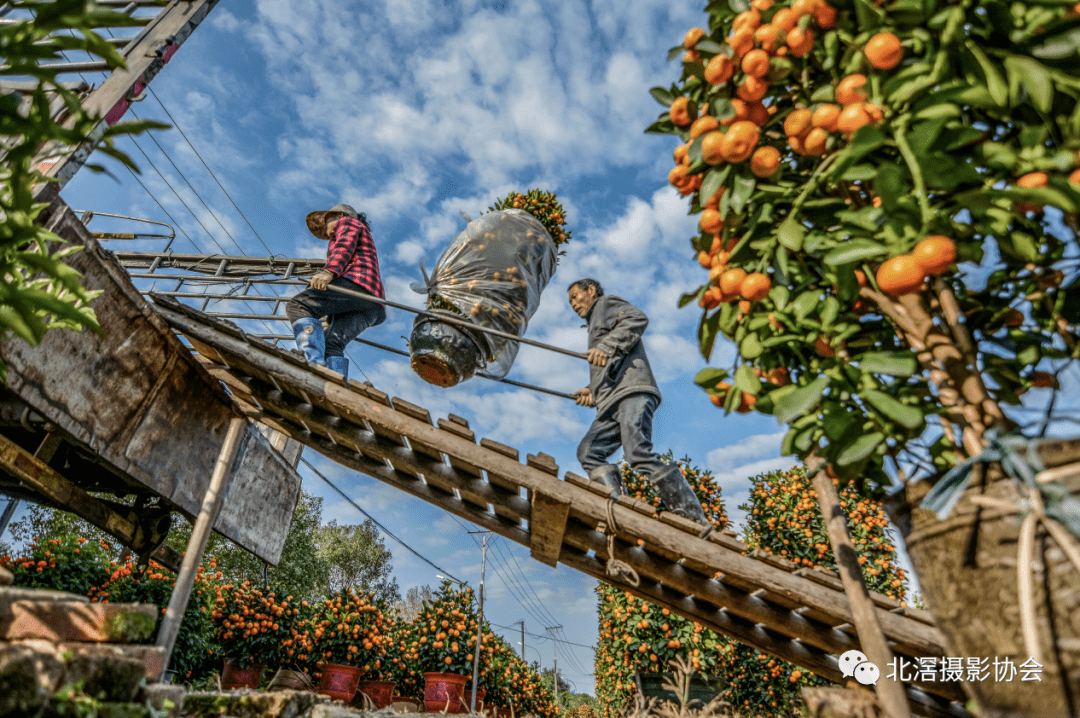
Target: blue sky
[413, 112]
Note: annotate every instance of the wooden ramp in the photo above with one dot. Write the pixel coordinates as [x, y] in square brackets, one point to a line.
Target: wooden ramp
[799, 615]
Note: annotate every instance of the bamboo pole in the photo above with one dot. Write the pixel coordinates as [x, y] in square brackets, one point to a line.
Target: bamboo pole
[211, 507]
[890, 693]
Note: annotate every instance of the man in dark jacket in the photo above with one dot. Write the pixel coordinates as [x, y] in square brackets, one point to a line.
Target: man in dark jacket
[625, 394]
[351, 263]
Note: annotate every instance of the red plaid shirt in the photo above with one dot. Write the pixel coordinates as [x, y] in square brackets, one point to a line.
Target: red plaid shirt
[352, 255]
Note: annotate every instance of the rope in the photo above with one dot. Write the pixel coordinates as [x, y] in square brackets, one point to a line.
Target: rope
[1032, 509]
[618, 570]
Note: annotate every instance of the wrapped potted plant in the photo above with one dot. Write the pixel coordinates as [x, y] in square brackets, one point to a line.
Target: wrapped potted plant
[347, 642]
[253, 628]
[444, 643]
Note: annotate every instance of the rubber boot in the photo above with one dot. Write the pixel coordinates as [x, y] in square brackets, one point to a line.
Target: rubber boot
[339, 364]
[609, 476]
[310, 340]
[677, 495]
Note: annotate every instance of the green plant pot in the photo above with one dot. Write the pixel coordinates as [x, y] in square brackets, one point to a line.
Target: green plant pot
[702, 688]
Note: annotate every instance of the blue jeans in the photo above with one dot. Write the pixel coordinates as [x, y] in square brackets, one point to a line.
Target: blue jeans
[628, 423]
[348, 316]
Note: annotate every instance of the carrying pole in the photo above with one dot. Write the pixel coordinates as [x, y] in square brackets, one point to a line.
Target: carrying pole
[450, 319]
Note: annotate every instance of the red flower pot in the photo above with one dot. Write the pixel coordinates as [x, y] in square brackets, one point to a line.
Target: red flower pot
[234, 677]
[380, 692]
[339, 682]
[444, 692]
[466, 698]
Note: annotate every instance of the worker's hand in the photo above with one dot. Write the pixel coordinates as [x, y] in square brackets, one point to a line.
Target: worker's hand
[321, 280]
[598, 357]
[584, 397]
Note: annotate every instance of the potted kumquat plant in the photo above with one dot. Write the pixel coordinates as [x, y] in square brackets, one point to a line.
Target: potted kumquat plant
[253, 628]
[348, 642]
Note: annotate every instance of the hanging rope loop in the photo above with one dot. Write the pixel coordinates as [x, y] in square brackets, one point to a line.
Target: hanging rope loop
[618, 570]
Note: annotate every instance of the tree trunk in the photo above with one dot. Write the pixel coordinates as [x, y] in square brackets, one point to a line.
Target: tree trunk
[967, 569]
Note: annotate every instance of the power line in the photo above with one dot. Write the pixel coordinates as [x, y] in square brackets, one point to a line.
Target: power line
[534, 604]
[546, 638]
[521, 571]
[181, 131]
[372, 519]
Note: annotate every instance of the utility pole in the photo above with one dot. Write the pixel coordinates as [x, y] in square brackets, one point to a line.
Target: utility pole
[555, 652]
[522, 622]
[480, 623]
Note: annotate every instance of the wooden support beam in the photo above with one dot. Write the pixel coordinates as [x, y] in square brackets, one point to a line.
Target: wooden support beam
[547, 526]
[42, 479]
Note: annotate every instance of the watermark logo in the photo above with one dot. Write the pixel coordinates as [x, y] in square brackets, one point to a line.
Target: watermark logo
[854, 664]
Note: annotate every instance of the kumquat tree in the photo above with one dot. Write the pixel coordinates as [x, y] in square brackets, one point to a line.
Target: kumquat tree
[783, 519]
[888, 195]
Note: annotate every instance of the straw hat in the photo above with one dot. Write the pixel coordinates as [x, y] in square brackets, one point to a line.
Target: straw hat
[316, 221]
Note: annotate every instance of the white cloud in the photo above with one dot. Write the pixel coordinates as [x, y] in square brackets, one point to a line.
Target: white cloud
[748, 447]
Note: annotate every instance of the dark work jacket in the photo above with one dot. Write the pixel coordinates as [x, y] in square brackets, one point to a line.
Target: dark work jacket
[615, 326]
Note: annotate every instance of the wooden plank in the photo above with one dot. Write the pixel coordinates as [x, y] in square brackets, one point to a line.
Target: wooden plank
[546, 527]
[464, 467]
[498, 464]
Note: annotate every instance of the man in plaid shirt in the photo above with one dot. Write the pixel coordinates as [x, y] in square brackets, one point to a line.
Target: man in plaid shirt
[351, 263]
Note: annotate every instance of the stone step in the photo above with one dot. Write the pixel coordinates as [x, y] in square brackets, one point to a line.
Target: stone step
[77, 621]
[31, 671]
[266, 704]
[151, 658]
[11, 594]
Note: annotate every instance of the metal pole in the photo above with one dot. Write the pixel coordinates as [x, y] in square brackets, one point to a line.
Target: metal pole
[460, 322]
[523, 640]
[480, 623]
[9, 512]
[555, 672]
[208, 514]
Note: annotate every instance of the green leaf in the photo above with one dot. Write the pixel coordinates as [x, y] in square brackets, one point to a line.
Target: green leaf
[855, 250]
[709, 377]
[744, 190]
[722, 109]
[662, 96]
[712, 181]
[663, 126]
[891, 363]
[791, 234]
[801, 400]
[690, 297]
[837, 422]
[865, 140]
[707, 333]
[907, 416]
[860, 448]
[675, 52]
[860, 172]
[779, 295]
[693, 153]
[806, 303]
[751, 347]
[746, 380]
[708, 46]
[1035, 78]
[1060, 46]
[829, 312]
[995, 83]
[825, 93]
[890, 185]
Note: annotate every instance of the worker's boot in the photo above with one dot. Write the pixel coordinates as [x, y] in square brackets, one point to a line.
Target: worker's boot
[339, 364]
[609, 476]
[677, 495]
[310, 340]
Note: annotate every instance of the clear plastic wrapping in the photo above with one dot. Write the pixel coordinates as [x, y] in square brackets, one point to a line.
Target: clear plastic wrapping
[492, 275]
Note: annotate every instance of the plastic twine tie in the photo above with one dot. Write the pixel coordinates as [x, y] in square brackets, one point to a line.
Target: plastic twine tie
[618, 570]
